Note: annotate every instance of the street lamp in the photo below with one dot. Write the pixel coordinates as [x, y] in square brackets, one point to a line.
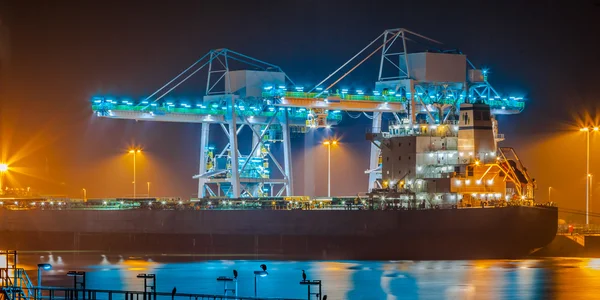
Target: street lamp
[590, 177]
[84, 195]
[587, 172]
[549, 195]
[148, 183]
[329, 143]
[134, 152]
[3, 169]
[45, 267]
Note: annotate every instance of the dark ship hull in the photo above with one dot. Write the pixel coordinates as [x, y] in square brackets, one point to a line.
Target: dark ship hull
[475, 233]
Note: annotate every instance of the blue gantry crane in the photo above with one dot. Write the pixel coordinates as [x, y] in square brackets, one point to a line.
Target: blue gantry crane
[423, 86]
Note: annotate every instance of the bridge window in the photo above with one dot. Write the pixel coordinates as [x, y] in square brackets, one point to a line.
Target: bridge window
[399, 157]
[399, 144]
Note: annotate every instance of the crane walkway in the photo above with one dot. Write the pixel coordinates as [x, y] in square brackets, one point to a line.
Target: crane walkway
[373, 103]
[185, 113]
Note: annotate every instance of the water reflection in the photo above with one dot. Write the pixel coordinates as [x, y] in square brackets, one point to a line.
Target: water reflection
[558, 278]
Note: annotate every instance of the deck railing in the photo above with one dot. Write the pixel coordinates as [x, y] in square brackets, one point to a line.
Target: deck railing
[51, 293]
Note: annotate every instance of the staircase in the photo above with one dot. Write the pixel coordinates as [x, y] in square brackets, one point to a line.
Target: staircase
[15, 284]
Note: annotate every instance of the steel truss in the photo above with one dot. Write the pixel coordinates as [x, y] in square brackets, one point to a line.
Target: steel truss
[439, 101]
[218, 65]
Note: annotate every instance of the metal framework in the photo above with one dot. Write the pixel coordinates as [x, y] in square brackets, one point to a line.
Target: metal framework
[438, 101]
[398, 92]
[224, 107]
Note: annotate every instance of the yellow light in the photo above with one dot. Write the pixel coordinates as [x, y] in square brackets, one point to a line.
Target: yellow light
[131, 151]
[596, 128]
[326, 143]
[335, 142]
[589, 175]
[477, 162]
[3, 167]
[584, 129]
[139, 151]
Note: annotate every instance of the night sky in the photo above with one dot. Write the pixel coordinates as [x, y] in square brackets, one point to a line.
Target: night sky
[64, 52]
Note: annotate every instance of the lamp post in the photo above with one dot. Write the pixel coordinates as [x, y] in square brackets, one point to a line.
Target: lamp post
[84, 195]
[329, 143]
[45, 267]
[549, 194]
[587, 171]
[3, 169]
[134, 152]
[590, 177]
[148, 183]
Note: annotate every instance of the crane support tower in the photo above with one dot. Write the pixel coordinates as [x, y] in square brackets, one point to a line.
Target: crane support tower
[426, 85]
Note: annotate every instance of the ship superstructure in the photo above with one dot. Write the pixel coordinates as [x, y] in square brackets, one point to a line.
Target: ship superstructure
[456, 163]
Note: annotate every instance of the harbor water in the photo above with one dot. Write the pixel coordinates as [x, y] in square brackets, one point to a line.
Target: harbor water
[551, 278]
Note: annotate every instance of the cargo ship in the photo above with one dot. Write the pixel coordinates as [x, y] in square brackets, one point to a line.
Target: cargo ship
[445, 192]
[440, 187]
